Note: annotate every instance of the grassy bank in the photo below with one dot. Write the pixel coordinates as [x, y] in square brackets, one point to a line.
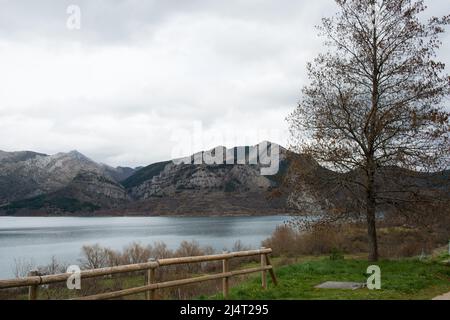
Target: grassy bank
[400, 279]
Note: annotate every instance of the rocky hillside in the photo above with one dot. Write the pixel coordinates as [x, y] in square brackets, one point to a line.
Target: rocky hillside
[70, 183]
[33, 183]
[30, 180]
[204, 189]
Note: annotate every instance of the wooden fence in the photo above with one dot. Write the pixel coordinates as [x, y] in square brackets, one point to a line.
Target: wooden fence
[34, 280]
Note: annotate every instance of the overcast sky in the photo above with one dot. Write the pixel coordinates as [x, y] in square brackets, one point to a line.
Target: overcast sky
[144, 80]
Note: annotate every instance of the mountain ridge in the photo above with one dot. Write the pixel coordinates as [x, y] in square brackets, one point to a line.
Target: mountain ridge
[68, 183]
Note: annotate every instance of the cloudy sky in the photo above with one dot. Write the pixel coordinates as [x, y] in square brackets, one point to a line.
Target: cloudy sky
[143, 81]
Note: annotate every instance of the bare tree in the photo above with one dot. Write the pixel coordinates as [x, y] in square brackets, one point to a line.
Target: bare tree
[375, 102]
[136, 253]
[22, 267]
[95, 257]
[54, 267]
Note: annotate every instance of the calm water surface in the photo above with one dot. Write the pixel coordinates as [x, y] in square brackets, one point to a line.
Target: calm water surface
[37, 239]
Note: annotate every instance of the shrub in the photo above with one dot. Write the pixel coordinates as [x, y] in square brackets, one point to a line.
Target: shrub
[94, 257]
[136, 253]
[351, 238]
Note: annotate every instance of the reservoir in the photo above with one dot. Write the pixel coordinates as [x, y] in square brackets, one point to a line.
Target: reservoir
[35, 240]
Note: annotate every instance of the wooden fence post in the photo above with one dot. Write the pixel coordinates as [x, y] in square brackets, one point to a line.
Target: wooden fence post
[263, 273]
[271, 272]
[33, 289]
[225, 281]
[150, 295]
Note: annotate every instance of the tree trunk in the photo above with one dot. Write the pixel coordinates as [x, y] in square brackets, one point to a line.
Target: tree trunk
[371, 220]
[371, 167]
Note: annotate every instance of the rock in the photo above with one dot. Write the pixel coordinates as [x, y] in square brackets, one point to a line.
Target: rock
[341, 285]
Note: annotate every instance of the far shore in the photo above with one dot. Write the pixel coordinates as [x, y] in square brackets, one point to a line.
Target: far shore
[142, 215]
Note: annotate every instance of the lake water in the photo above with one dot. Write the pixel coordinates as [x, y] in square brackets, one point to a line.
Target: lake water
[37, 239]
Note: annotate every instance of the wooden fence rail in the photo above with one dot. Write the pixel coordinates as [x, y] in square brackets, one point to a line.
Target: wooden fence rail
[34, 280]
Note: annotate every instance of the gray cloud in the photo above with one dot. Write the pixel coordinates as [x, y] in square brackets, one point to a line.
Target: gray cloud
[138, 71]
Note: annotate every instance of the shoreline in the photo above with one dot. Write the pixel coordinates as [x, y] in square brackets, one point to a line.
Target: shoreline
[145, 215]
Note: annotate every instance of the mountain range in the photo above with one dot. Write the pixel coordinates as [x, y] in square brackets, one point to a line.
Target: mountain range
[70, 183]
[33, 183]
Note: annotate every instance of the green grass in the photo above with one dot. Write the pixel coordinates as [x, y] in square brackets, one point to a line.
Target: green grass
[403, 279]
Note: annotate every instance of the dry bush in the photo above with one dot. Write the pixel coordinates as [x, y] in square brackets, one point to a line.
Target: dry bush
[54, 267]
[160, 251]
[240, 246]
[136, 253]
[322, 240]
[22, 267]
[94, 257]
[402, 242]
[289, 242]
[283, 241]
[421, 230]
[113, 258]
[351, 238]
[191, 249]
